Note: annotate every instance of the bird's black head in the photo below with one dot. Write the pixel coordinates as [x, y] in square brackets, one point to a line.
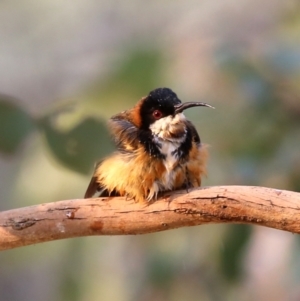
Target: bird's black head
[159, 103]
[163, 102]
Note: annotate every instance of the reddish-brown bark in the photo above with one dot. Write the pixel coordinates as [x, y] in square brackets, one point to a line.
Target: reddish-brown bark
[116, 216]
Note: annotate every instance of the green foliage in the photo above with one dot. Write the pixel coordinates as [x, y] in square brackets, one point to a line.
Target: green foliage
[16, 124]
[81, 146]
[77, 148]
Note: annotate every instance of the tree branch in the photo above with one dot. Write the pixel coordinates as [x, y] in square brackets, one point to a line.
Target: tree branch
[116, 216]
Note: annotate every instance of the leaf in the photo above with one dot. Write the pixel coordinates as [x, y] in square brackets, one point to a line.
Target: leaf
[80, 147]
[16, 124]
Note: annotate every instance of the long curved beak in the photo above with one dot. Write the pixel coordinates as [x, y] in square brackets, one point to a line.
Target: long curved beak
[183, 106]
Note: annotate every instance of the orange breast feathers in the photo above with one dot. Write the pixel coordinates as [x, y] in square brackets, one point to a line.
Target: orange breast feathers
[140, 176]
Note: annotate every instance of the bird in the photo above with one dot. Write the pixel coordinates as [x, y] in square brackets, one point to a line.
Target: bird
[158, 150]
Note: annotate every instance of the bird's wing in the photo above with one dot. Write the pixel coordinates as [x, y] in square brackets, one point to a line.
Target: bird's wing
[125, 136]
[96, 187]
[124, 133]
[92, 188]
[128, 137]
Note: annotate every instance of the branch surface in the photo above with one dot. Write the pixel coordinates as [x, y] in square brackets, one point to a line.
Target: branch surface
[268, 207]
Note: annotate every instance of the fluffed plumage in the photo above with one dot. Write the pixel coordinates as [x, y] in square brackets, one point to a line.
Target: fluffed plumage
[158, 149]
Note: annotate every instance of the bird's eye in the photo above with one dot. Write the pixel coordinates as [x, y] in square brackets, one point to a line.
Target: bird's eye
[157, 114]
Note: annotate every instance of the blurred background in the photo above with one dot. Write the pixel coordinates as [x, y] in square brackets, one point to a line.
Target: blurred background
[67, 66]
